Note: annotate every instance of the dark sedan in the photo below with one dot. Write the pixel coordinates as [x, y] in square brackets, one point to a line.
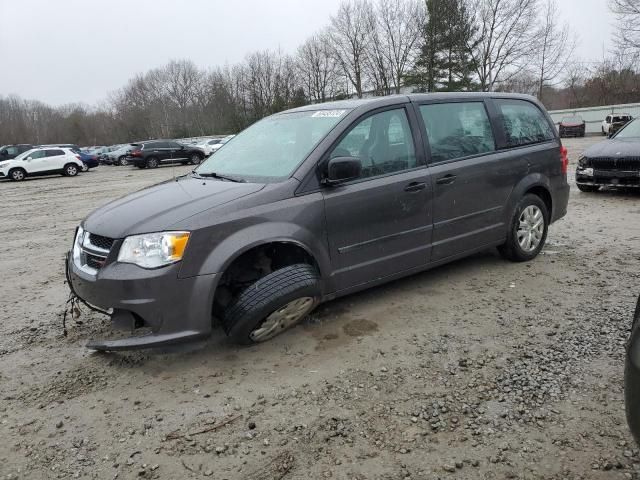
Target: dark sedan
[573, 126]
[612, 163]
[632, 377]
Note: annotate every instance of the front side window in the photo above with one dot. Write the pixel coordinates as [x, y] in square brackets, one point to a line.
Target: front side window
[457, 130]
[523, 123]
[274, 146]
[38, 154]
[383, 142]
[12, 150]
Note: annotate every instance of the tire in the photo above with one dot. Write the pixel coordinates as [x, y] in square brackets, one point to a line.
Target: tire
[527, 209]
[17, 174]
[195, 159]
[260, 312]
[84, 167]
[632, 378]
[152, 162]
[70, 170]
[588, 188]
[122, 161]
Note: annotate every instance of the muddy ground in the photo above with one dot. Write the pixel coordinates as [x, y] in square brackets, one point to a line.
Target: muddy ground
[479, 369]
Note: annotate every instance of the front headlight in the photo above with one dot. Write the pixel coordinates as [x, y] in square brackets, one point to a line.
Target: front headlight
[153, 250]
[77, 243]
[582, 162]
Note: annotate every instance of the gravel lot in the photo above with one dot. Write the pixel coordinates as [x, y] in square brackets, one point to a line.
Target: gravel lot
[479, 369]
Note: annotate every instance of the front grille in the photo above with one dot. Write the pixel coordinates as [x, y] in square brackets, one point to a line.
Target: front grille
[614, 163]
[99, 241]
[95, 250]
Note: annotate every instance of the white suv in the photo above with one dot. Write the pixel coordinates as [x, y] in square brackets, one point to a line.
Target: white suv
[41, 161]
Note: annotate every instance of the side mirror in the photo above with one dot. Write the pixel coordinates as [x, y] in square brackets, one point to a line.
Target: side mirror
[342, 169]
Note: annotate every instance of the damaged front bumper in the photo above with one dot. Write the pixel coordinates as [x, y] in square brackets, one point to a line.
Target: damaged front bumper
[176, 310]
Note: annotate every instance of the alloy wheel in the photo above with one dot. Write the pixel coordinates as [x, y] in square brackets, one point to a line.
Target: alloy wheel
[531, 228]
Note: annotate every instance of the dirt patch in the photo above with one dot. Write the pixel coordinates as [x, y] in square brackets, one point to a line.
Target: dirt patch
[360, 327]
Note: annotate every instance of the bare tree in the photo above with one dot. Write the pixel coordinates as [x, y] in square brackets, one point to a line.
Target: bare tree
[503, 40]
[349, 33]
[628, 16]
[553, 49]
[399, 27]
[576, 74]
[317, 67]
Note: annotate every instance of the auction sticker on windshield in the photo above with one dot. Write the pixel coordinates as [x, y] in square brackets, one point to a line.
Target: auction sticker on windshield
[328, 113]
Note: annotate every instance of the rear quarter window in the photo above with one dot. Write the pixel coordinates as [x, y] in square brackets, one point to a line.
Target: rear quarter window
[523, 123]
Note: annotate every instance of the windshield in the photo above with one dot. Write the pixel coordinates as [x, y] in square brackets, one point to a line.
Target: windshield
[631, 130]
[572, 120]
[273, 147]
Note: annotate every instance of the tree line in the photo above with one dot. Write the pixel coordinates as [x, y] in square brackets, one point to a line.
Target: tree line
[368, 47]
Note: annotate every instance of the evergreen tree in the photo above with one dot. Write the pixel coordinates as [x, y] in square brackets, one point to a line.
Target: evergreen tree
[444, 63]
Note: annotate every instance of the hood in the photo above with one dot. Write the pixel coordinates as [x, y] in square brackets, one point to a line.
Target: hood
[614, 148]
[159, 207]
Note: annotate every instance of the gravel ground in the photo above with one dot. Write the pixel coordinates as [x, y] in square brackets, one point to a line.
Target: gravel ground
[479, 369]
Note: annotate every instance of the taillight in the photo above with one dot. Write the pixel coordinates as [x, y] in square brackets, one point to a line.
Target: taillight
[564, 157]
[136, 153]
[78, 157]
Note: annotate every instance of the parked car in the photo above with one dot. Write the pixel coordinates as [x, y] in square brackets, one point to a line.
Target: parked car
[217, 146]
[152, 154]
[88, 160]
[42, 161]
[314, 203]
[614, 122]
[208, 145]
[612, 163]
[7, 152]
[573, 126]
[632, 376]
[117, 156]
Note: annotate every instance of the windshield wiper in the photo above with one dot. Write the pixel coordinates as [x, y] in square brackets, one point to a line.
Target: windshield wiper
[218, 176]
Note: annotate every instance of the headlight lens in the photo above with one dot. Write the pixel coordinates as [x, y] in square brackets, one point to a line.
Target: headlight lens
[582, 162]
[77, 243]
[153, 250]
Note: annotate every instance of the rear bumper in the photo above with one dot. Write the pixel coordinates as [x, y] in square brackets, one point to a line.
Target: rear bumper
[174, 309]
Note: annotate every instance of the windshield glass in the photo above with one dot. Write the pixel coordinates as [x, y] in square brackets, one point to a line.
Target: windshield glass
[273, 147]
[631, 130]
[572, 120]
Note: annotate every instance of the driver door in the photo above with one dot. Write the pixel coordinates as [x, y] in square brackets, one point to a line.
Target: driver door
[36, 162]
[380, 223]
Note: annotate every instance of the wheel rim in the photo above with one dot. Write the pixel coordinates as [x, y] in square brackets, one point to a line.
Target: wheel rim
[123, 162]
[152, 163]
[195, 159]
[84, 167]
[531, 228]
[18, 175]
[283, 318]
[72, 171]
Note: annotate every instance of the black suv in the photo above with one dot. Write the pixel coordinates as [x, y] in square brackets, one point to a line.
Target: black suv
[318, 202]
[152, 154]
[8, 152]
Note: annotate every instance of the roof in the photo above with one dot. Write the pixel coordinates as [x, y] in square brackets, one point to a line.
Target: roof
[373, 102]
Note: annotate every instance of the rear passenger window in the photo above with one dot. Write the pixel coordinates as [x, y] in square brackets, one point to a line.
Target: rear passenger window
[523, 123]
[54, 153]
[383, 142]
[457, 130]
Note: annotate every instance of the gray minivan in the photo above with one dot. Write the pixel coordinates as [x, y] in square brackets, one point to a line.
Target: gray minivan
[319, 202]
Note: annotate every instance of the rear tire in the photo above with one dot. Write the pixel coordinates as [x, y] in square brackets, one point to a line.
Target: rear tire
[122, 161]
[588, 188]
[527, 230]
[70, 170]
[195, 159]
[152, 162]
[84, 167]
[17, 174]
[273, 304]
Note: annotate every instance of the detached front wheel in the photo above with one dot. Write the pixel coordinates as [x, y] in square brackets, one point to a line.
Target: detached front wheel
[273, 304]
[528, 230]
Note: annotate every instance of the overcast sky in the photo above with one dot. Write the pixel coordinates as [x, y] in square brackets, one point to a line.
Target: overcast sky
[61, 51]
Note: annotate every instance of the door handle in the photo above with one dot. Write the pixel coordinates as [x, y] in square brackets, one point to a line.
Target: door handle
[415, 187]
[446, 180]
